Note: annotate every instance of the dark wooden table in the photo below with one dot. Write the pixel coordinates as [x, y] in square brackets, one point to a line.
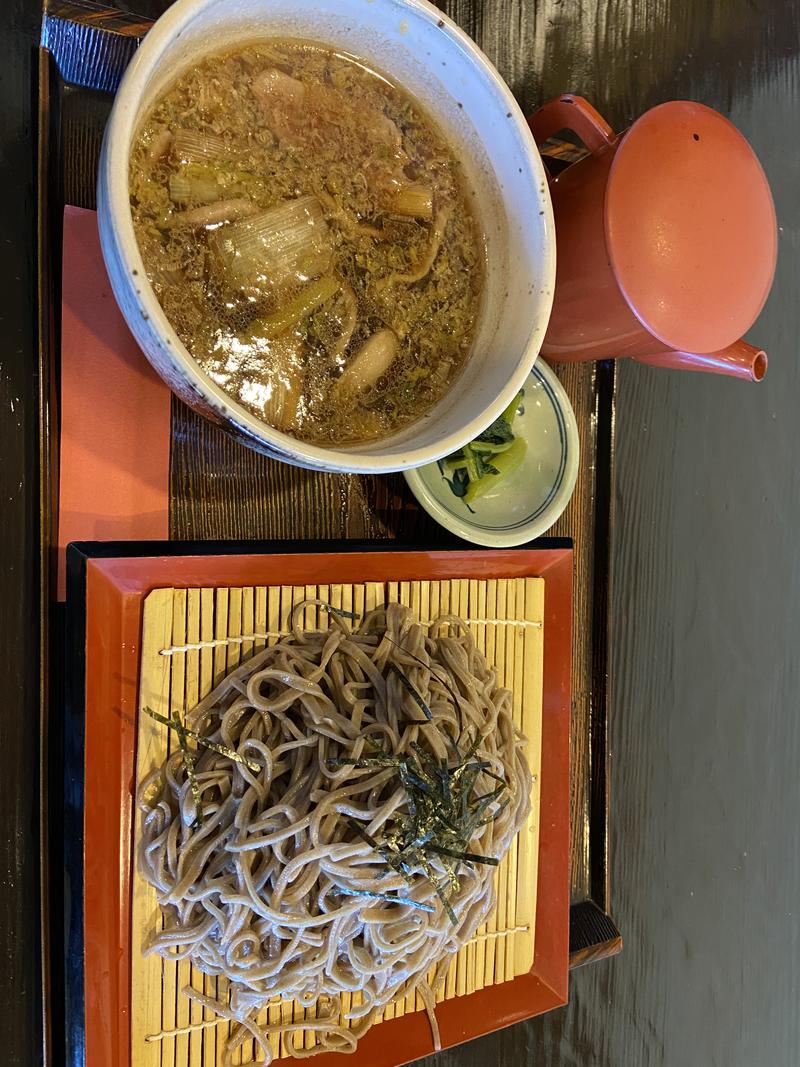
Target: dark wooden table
[705, 863]
[219, 490]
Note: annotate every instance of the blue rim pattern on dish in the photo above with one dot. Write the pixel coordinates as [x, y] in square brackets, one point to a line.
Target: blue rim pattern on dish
[562, 434]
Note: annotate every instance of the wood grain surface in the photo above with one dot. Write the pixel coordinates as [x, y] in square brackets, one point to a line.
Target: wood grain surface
[705, 858]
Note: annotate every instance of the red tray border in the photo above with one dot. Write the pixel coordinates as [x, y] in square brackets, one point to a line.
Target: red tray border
[115, 592]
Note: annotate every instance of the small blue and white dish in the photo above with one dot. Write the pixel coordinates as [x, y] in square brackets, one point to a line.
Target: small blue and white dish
[527, 502]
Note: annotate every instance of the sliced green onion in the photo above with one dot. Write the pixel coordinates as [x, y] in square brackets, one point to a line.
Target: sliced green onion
[286, 244]
[437, 232]
[192, 146]
[184, 187]
[310, 297]
[412, 201]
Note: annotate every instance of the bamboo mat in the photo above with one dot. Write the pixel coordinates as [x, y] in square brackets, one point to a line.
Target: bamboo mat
[191, 639]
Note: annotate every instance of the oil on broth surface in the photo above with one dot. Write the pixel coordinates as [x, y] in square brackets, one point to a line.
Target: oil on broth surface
[307, 230]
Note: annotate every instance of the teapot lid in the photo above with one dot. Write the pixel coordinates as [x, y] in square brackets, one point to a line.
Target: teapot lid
[690, 227]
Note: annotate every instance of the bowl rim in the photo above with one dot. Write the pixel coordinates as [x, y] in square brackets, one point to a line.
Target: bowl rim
[116, 225]
[520, 535]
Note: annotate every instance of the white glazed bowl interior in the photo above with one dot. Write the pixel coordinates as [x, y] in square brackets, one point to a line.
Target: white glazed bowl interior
[427, 54]
[526, 503]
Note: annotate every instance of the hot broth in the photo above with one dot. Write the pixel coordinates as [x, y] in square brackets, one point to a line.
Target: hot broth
[310, 237]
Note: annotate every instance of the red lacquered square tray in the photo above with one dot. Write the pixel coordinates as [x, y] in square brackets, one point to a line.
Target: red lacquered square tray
[107, 587]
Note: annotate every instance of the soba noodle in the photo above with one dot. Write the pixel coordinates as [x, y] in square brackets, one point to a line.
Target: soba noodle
[291, 885]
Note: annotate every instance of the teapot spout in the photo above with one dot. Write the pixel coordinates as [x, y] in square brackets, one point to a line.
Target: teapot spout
[739, 360]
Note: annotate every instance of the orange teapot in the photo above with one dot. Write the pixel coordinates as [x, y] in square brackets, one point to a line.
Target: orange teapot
[666, 240]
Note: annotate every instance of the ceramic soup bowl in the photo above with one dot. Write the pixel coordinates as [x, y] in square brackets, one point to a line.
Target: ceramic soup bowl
[427, 54]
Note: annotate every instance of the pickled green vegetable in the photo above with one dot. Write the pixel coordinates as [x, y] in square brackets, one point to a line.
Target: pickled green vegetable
[480, 465]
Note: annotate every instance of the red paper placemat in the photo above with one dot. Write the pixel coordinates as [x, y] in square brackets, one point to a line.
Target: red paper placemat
[115, 410]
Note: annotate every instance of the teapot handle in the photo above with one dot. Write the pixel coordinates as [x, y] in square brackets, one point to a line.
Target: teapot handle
[570, 112]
